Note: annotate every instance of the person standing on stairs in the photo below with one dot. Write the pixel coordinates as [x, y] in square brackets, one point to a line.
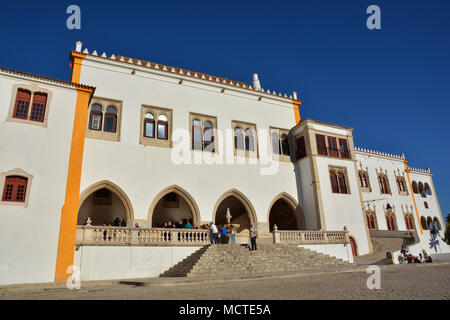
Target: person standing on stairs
[253, 235]
[214, 231]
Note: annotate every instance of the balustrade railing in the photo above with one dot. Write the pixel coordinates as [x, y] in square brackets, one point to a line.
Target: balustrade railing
[117, 236]
[310, 237]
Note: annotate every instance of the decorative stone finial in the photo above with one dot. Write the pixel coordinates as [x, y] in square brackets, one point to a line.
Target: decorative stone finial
[88, 221]
[256, 83]
[78, 46]
[275, 227]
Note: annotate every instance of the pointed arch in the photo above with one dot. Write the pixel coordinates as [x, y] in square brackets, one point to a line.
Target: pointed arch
[180, 192]
[106, 184]
[242, 198]
[298, 212]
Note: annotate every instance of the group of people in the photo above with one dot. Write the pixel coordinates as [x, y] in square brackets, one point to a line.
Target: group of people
[425, 258]
[182, 224]
[224, 233]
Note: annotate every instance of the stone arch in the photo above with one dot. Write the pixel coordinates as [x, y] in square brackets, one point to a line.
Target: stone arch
[244, 201]
[297, 210]
[116, 190]
[183, 194]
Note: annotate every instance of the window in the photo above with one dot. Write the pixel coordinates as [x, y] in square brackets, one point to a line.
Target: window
[414, 187]
[245, 139]
[238, 139]
[110, 119]
[280, 144]
[391, 221]
[104, 119]
[401, 186]
[383, 183]
[321, 147]
[162, 127]
[29, 105]
[343, 148]
[425, 204]
[371, 220]
[156, 127]
[149, 125]
[203, 132]
[338, 180]
[423, 222]
[332, 147]
[364, 181]
[429, 223]
[300, 148]
[15, 189]
[38, 107]
[436, 223]
[421, 190]
[249, 140]
[427, 189]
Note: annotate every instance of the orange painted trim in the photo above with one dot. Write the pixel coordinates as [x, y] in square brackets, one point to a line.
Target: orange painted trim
[412, 195]
[296, 105]
[76, 62]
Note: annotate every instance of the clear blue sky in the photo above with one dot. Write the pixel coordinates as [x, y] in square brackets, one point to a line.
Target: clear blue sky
[392, 85]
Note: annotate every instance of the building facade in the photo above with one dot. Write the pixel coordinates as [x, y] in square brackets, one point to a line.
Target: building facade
[157, 143]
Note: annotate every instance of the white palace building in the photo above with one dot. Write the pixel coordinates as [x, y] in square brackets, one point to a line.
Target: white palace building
[148, 143]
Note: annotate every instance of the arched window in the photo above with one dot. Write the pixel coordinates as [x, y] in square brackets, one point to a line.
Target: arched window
[22, 104]
[429, 223]
[276, 147]
[414, 187]
[421, 190]
[383, 184]
[285, 145]
[425, 204]
[197, 134]
[38, 108]
[423, 222]
[360, 180]
[402, 185]
[238, 139]
[364, 180]
[208, 134]
[370, 221]
[162, 127]
[436, 223]
[249, 140]
[342, 183]
[15, 189]
[427, 189]
[388, 223]
[96, 117]
[334, 182]
[110, 119]
[149, 125]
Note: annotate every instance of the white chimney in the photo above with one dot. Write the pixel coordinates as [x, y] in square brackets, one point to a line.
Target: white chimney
[256, 83]
[294, 95]
[78, 46]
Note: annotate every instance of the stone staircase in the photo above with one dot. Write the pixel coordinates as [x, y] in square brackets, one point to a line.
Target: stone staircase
[214, 260]
[380, 247]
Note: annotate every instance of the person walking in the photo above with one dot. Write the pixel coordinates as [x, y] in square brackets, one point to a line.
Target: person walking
[233, 234]
[253, 235]
[214, 232]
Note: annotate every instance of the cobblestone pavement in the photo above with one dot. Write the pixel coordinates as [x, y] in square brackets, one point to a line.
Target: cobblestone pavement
[397, 282]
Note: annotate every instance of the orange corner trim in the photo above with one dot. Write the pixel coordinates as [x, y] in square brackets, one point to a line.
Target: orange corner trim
[296, 105]
[412, 195]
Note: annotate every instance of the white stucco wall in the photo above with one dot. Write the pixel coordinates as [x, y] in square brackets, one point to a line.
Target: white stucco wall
[143, 171]
[29, 236]
[103, 263]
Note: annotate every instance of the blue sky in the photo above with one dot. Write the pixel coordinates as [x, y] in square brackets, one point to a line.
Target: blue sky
[392, 85]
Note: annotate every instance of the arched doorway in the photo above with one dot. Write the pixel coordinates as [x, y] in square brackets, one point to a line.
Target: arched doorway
[104, 203]
[354, 247]
[173, 204]
[241, 210]
[285, 213]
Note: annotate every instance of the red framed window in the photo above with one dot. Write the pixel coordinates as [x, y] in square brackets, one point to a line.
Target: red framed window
[334, 182]
[342, 183]
[301, 148]
[38, 107]
[15, 189]
[383, 185]
[321, 147]
[22, 104]
[343, 147]
[332, 147]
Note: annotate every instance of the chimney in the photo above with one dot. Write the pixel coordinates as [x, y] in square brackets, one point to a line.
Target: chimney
[294, 95]
[78, 46]
[256, 83]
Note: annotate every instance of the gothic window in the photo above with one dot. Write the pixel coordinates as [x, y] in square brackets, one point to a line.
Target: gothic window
[383, 183]
[104, 119]
[149, 125]
[110, 119]
[280, 144]
[249, 140]
[156, 126]
[423, 222]
[421, 190]
[427, 189]
[238, 139]
[245, 139]
[414, 187]
[202, 128]
[96, 117]
[338, 178]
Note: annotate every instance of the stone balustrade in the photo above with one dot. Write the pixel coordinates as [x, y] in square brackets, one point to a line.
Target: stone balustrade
[123, 236]
[310, 237]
